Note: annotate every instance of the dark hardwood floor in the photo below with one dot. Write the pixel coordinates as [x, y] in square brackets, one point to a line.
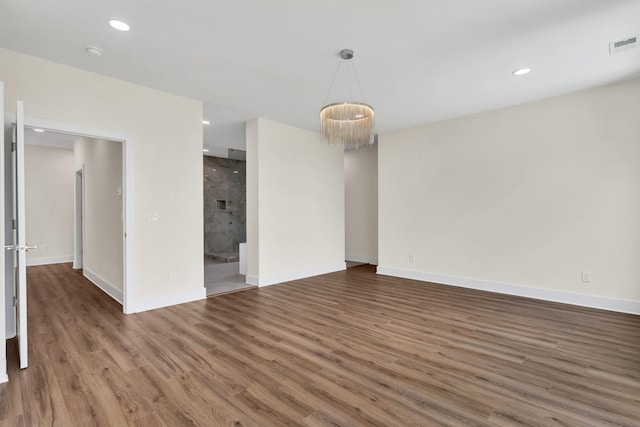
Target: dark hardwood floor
[348, 348]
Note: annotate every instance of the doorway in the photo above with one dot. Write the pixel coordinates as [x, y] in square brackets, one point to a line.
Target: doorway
[224, 187]
[125, 191]
[82, 175]
[361, 205]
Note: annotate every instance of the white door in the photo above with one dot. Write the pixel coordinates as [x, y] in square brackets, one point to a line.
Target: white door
[20, 247]
[4, 307]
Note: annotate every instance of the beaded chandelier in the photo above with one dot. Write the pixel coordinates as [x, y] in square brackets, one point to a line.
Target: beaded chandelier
[348, 123]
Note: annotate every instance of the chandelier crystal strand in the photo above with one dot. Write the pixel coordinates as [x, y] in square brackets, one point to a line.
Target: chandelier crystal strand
[347, 123]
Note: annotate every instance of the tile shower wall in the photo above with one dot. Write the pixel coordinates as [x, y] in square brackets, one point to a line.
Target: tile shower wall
[224, 207]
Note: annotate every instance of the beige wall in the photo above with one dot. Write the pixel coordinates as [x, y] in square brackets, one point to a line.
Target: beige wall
[530, 195]
[361, 204]
[165, 132]
[103, 227]
[297, 184]
[49, 204]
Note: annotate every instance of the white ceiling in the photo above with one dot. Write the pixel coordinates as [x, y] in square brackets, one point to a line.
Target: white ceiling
[418, 60]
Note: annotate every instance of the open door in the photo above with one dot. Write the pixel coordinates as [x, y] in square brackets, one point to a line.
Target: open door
[20, 247]
[3, 303]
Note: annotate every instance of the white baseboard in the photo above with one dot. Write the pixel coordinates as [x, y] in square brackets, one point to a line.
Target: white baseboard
[108, 288]
[366, 260]
[583, 300]
[166, 301]
[51, 260]
[252, 280]
[296, 275]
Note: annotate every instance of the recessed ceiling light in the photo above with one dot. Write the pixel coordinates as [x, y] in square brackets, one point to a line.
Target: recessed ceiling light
[214, 170]
[521, 71]
[119, 25]
[205, 150]
[38, 130]
[235, 171]
[206, 122]
[94, 50]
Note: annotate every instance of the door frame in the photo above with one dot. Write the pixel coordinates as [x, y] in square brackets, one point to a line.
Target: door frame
[128, 190]
[78, 219]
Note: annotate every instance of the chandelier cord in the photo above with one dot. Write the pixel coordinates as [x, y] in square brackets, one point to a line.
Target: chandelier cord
[353, 65]
[333, 80]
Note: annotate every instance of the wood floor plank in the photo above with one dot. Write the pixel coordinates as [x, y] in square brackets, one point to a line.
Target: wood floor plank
[151, 420]
[17, 421]
[10, 400]
[350, 348]
[11, 392]
[121, 349]
[514, 414]
[192, 405]
[109, 377]
[42, 399]
[329, 418]
[89, 402]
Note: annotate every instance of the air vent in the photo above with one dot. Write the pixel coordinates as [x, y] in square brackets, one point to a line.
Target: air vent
[624, 44]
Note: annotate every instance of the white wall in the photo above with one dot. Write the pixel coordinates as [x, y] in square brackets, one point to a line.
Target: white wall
[253, 208]
[103, 228]
[529, 195]
[49, 204]
[361, 204]
[297, 185]
[165, 133]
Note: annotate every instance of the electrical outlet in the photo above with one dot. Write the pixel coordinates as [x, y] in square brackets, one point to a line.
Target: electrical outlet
[412, 258]
[586, 277]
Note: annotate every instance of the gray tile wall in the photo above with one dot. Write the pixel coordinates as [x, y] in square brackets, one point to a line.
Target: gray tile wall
[224, 229]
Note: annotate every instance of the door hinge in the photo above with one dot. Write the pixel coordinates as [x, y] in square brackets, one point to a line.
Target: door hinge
[14, 224]
[14, 146]
[15, 301]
